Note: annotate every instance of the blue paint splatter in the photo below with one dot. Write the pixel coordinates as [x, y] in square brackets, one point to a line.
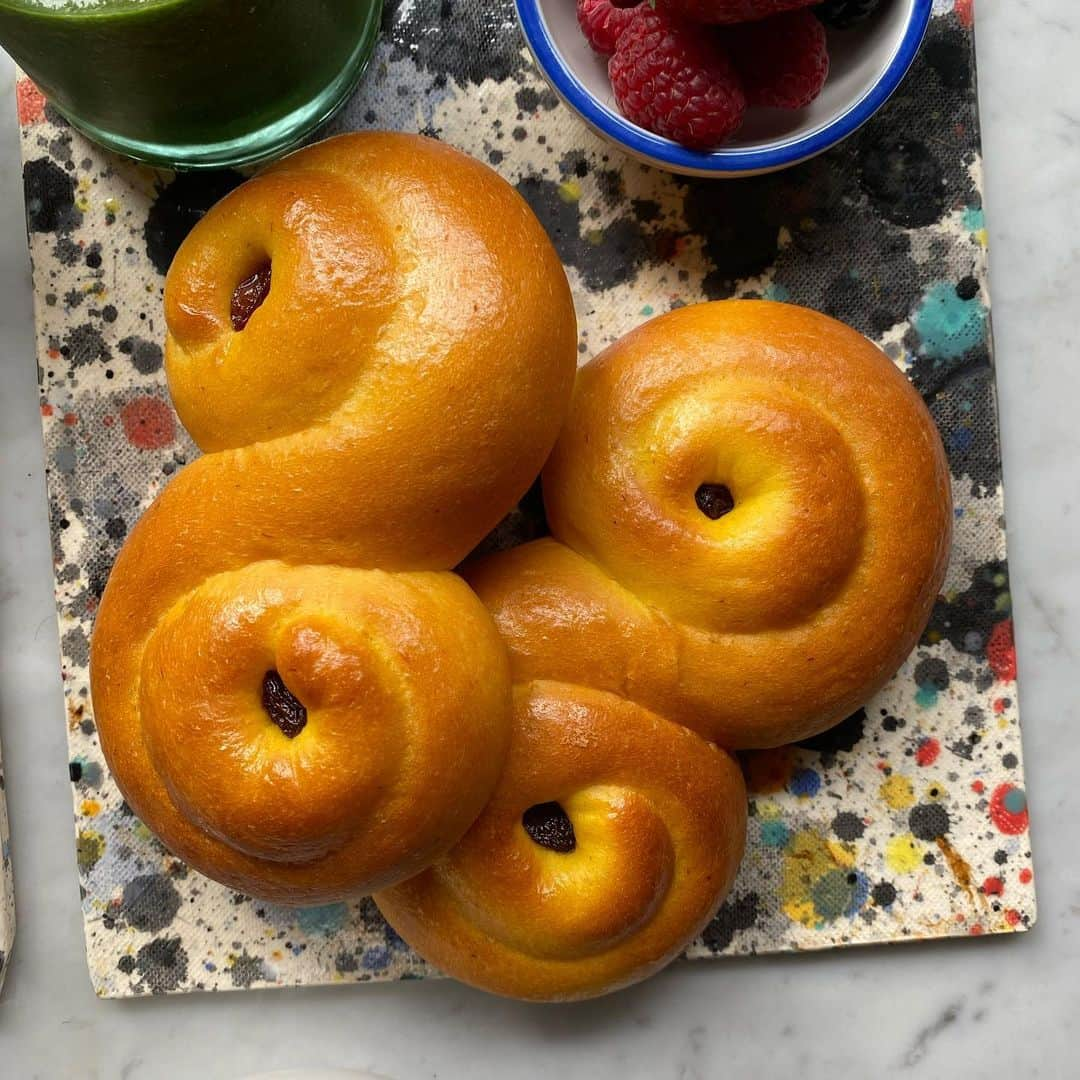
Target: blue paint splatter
[376, 958]
[947, 325]
[860, 890]
[805, 783]
[779, 293]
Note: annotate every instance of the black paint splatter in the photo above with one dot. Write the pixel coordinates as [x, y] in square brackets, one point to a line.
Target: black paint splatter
[839, 739]
[150, 902]
[848, 826]
[932, 672]
[84, 344]
[178, 208]
[967, 620]
[162, 965]
[928, 821]
[736, 913]
[146, 356]
[605, 257]
[50, 198]
[442, 38]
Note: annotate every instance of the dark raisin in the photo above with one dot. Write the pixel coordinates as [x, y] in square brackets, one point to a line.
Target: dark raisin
[548, 825]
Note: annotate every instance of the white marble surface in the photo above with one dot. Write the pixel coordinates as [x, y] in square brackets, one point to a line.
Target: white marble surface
[951, 1009]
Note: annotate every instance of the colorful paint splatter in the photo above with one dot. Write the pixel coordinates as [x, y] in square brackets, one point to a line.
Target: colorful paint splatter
[907, 821]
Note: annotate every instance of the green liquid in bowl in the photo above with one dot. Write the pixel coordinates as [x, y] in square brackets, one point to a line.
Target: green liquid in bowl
[192, 83]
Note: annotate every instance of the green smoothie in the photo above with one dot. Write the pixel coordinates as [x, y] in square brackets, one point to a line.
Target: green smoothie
[193, 82]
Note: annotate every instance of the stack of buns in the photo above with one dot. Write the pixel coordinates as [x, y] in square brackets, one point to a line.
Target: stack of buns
[374, 344]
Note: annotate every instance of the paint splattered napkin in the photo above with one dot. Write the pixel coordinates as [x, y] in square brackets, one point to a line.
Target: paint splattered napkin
[909, 820]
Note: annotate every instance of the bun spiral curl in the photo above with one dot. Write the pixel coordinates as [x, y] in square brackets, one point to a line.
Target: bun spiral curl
[750, 515]
[374, 342]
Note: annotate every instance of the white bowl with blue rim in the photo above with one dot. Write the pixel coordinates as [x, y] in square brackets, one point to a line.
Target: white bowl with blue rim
[867, 64]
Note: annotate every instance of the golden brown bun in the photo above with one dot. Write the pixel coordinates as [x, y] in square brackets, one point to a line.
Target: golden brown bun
[750, 513]
[659, 821]
[779, 618]
[393, 396]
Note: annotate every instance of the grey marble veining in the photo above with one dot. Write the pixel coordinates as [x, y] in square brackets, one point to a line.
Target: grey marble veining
[1001, 1007]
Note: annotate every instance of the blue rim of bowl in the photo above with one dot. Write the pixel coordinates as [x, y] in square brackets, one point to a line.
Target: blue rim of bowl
[664, 151]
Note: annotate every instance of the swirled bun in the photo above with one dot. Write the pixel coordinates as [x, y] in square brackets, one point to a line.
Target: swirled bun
[753, 514]
[609, 843]
[374, 342]
[750, 518]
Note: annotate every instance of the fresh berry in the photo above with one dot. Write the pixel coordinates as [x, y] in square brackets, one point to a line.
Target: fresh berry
[672, 77]
[844, 13]
[602, 22]
[733, 11]
[783, 61]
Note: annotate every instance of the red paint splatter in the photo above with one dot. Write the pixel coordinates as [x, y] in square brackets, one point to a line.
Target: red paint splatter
[976, 930]
[1001, 651]
[108, 421]
[30, 101]
[54, 354]
[46, 409]
[1008, 809]
[1025, 876]
[965, 12]
[1012, 916]
[148, 422]
[978, 787]
[993, 886]
[999, 706]
[70, 419]
[928, 751]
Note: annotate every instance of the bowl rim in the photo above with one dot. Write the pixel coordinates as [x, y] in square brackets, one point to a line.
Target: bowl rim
[663, 151]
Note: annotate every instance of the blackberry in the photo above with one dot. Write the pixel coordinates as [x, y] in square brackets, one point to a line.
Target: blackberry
[840, 14]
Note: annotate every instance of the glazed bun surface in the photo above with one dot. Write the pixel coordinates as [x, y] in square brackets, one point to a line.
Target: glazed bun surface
[750, 516]
[374, 343]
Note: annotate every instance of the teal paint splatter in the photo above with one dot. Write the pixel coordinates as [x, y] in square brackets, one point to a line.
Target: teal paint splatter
[947, 325]
[774, 834]
[926, 696]
[322, 920]
[779, 293]
[1015, 801]
[974, 219]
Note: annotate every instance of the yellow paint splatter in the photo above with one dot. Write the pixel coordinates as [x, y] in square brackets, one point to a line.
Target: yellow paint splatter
[769, 811]
[898, 792]
[818, 882]
[90, 808]
[89, 847]
[903, 854]
[570, 191]
[112, 205]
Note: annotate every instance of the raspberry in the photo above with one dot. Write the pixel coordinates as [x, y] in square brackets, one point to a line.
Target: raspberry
[844, 13]
[672, 78]
[783, 62]
[602, 22]
[733, 11]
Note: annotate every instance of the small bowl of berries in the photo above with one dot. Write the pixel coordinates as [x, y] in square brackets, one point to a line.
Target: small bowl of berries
[724, 87]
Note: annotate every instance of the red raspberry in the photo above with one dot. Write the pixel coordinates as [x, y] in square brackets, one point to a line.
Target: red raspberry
[602, 22]
[783, 62]
[733, 11]
[673, 79]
